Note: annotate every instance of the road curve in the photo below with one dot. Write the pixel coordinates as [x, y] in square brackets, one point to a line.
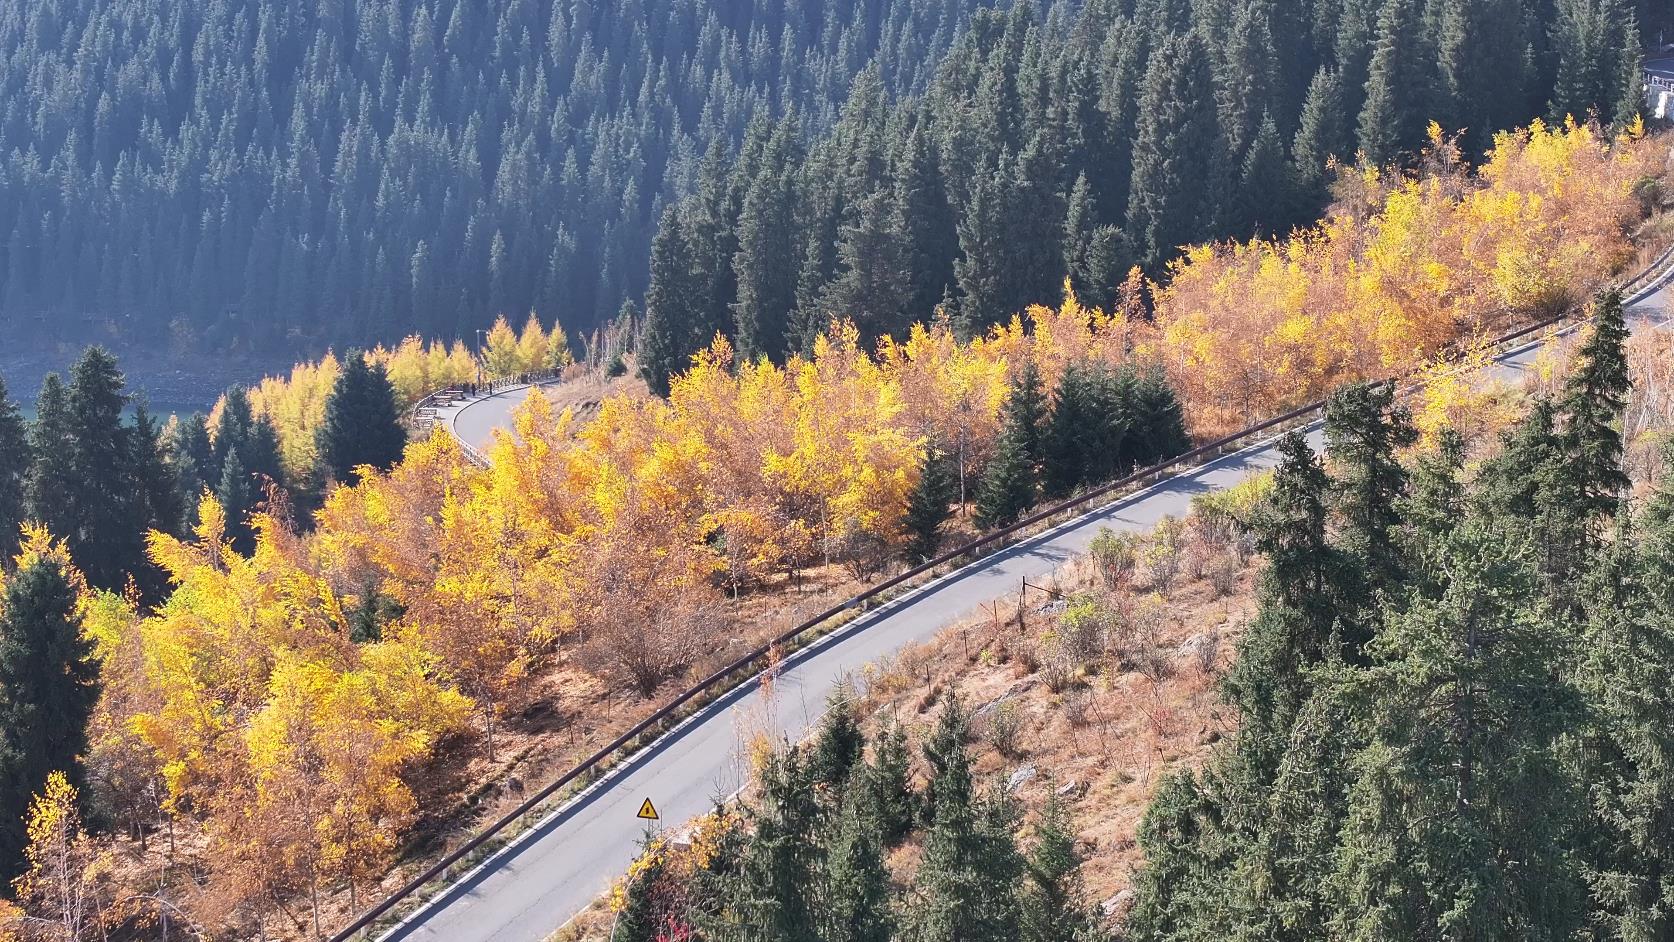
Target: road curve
[538, 883]
[474, 421]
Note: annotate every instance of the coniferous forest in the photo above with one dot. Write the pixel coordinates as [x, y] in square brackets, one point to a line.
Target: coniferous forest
[289, 175]
[1454, 716]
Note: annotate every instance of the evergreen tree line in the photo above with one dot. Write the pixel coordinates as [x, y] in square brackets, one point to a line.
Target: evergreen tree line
[1100, 423]
[288, 173]
[1086, 142]
[99, 478]
[100, 481]
[1455, 708]
[804, 860]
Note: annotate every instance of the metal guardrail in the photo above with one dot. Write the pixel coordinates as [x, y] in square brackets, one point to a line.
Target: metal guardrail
[421, 417]
[750, 665]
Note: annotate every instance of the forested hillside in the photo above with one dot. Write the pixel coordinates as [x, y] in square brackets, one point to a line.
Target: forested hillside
[243, 172]
[1084, 144]
[238, 173]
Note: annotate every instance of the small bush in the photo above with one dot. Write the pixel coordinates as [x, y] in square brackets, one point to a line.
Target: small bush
[1114, 555]
[1004, 729]
[1164, 552]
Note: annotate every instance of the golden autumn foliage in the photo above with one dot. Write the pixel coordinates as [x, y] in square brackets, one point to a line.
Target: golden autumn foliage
[66, 885]
[296, 403]
[244, 696]
[248, 705]
[1248, 329]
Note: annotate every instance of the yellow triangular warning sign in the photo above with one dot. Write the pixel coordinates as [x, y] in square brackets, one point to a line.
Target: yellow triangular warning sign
[648, 811]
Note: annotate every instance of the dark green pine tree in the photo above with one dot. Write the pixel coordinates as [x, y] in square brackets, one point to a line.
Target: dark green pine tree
[14, 472]
[189, 440]
[1249, 85]
[107, 517]
[1323, 136]
[1178, 154]
[1594, 396]
[1266, 203]
[1026, 410]
[1284, 829]
[1081, 223]
[873, 281]
[980, 268]
[156, 482]
[1364, 430]
[1008, 483]
[930, 231]
[888, 782]
[1483, 62]
[1398, 86]
[929, 505]
[362, 426]
[967, 885]
[950, 765]
[1462, 814]
[1296, 628]
[1159, 421]
[673, 318]
[1086, 438]
[1626, 750]
[253, 437]
[773, 897]
[1179, 884]
[838, 744]
[768, 257]
[238, 493]
[52, 454]
[48, 687]
[1436, 501]
[1597, 48]
[1052, 908]
[854, 900]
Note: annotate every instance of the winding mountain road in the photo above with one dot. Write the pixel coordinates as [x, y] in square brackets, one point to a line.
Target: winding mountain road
[526, 891]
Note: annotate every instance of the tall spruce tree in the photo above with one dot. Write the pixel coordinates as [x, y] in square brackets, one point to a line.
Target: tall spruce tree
[362, 427]
[929, 505]
[102, 509]
[14, 472]
[1179, 152]
[673, 322]
[48, 686]
[1364, 429]
[838, 744]
[888, 782]
[774, 895]
[1594, 396]
[1625, 749]
[1324, 134]
[1158, 428]
[968, 881]
[854, 903]
[1462, 816]
[1053, 909]
[1398, 87]
[52, 459]
[765, 265]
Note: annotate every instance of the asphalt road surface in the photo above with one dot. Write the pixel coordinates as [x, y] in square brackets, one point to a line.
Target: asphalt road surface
[530, 889]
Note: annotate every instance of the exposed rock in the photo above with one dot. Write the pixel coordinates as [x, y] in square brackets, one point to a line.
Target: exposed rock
[1054, 607]
[987, 709]
[1024, 775]
[1071, 789]
[1197, 644]
[1116, 907]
